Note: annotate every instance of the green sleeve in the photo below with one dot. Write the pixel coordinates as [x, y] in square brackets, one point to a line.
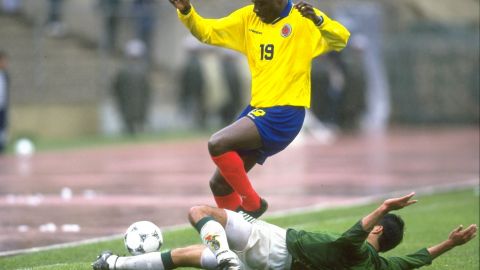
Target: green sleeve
[227, 32]
[411, 261]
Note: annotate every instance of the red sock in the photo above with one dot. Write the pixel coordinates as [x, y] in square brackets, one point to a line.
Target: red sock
[231, 201]
[231, 167]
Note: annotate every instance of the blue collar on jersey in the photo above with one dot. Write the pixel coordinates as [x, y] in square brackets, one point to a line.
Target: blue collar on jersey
[284, 12]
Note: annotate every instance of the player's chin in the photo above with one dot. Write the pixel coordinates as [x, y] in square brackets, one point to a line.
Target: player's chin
[266, 20]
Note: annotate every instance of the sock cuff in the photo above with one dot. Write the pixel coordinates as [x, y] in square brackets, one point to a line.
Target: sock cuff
[227, 155]
[167, 260]
[202, 222]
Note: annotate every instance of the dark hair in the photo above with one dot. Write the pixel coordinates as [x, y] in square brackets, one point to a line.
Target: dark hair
[393, 227]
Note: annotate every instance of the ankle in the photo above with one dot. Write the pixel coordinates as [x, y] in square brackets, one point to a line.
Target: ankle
[112, 261]
[252, 204]
[225, 254]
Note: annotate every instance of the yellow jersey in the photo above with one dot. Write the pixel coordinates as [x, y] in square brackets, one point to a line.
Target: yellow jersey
[279, 54]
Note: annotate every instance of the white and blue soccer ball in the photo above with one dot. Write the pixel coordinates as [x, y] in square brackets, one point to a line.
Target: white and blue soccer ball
[143, 237]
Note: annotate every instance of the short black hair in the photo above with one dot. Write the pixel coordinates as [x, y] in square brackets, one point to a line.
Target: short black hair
[393, 228]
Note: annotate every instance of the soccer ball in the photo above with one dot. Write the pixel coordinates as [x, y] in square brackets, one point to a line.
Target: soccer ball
[143, 237]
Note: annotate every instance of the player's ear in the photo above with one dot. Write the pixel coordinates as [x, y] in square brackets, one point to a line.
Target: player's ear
[378, 229]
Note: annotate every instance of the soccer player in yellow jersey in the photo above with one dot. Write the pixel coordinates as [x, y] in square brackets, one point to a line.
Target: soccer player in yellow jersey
[279, 39]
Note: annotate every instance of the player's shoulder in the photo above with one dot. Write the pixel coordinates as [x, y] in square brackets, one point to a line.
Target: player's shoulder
[246, 10]
[242, 12]
[246, 13]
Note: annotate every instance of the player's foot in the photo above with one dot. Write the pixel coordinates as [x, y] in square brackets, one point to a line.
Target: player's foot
[256, 213]
[101, 262]
[228, 260]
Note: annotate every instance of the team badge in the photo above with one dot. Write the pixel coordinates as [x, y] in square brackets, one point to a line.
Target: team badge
[286, 30]
[212, 241]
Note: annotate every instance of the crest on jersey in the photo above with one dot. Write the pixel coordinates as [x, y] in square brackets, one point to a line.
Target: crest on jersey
[286, 30]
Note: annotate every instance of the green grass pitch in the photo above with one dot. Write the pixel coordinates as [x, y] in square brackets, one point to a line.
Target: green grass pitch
[427, 223]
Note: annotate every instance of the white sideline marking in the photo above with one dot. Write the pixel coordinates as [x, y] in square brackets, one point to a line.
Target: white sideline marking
[474, 182]
[82, 242]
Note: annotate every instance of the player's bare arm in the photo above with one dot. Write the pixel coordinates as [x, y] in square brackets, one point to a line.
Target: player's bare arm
[307, 11]
[457, 237]
[372, 219]
[182, 5]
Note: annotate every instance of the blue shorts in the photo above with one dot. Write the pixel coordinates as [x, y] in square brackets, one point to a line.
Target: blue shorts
[278, 126]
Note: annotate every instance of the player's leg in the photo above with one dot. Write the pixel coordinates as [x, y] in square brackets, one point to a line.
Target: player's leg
[192, 256]
[235, 225]
[259, 245]
[211, 222]
[225, 196]
[241, 135]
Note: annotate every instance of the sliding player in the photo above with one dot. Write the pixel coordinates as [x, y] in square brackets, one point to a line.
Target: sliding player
[232, 241]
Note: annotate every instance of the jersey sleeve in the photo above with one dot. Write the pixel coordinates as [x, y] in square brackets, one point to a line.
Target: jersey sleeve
[227, 32]
[333, 35]
[410, 261]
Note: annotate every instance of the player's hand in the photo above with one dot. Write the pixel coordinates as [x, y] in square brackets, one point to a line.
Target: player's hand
[398, 203]
[307, 11]
[460, 236]
[182, 5]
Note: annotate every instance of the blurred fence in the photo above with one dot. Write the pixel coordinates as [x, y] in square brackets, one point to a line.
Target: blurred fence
[432, 70]
[434, 74]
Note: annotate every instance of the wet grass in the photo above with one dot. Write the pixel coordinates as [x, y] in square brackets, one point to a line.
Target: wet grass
[427, 223]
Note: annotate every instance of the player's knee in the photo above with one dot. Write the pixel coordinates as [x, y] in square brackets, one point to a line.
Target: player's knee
[199, 209]
[196, 213]
[217, 145]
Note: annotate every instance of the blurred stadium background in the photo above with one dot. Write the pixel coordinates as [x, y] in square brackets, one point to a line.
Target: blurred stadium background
[60, 86]
[420, 60]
